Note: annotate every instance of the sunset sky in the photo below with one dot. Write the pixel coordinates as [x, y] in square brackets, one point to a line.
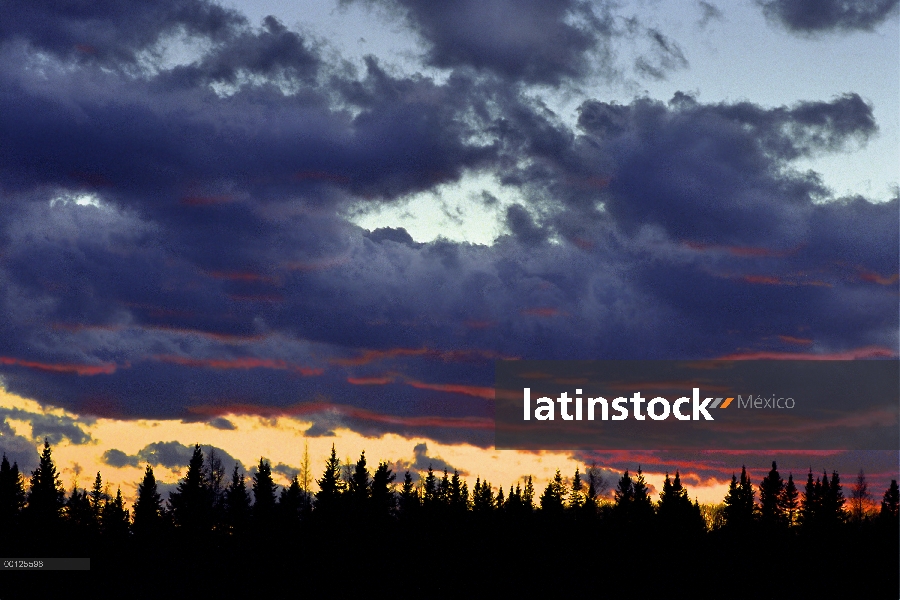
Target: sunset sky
[261, 226]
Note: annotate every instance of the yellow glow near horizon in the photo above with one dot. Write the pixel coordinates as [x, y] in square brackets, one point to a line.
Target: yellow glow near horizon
[282, 441]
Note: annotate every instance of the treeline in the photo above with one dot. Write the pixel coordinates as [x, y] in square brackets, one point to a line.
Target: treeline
[217, 518]
[210, 501]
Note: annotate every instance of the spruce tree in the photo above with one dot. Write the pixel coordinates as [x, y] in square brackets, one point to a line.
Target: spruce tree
[147, 507]
[358, 486]
[263, 495]
[859, 497]
[12, 495]
[554, 497]
[382, 492]
[890, 505]
[459, 494]
[833, 501]
[483, 497]
[810, 502]
[430, 491]
[190, 502]
[290, 504]
[46, 496]
[237, 504]
[528, 495]
[771, 490]
[409, 497]
[79, 514]
[97, 498]
[114, 518]
[331, 486]
[788, 502]
[576, 496]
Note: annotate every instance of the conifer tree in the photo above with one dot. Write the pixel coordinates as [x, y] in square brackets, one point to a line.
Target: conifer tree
[190, 502]
[46, 496]
[810, 502]
[833, 500]
[290, 504]
[788, 502]
[859, 497]
[643, 506]
[358, 486]
[771, 490]
[97, 498]
[576, 496]
[382, 492]
[12, 494]
[528, 495]
[554, 497]
[78, 512]
[331, 486]
[263, 495]
[890, 504]
[459, 494]
[237, 503]
[147, 507]
[114, 518]
[409, 497]
[483, 497]
[443, 492]
[430, 490]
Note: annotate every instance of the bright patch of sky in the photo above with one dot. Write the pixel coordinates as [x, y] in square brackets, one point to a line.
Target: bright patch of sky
[737, 56]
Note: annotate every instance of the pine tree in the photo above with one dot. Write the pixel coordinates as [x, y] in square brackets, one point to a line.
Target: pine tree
[739, 501]
[263, 495]
[833, 501]
[331, 487]
[78, 512]
[771, 490]
[459, 494]
[290, 504]
[528, 495]
[554, 497]
[859, 497]
[810, 503]
[237, 503]
[382, 492]
[409, 497]
[483, 497]
[114, 518]
[890, 505]
[147, 507]
[358, 486]
[576, 496]
[643, 506]
[46, 497]
[430, 491]
[190, 502]
[97, 498]
[12, 495]
[788, 502]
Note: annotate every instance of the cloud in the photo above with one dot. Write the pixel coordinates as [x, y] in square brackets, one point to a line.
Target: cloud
[709, 12]
[826, 16]
[50, 427]
[532, 41]
[171, 455]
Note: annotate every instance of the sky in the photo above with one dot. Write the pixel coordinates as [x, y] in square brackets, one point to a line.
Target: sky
[265, 226]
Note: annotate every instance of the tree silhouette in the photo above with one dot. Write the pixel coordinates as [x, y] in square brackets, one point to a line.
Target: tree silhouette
[890, 505]
[554, 497]
[409, 498]
[147, 509]
[771, 490]
[290, 504]
[483, 497]
[97, 498]
[263, 495]
[46, 496]
[788, 502]
[811, 502]
[739, 501]
[859, 497]
[12, 495]
[430, 491]
[330, 487]
[114, 518]
[237, 503]
[358, 487]
[191, 506]
[382, 493]
[576, 496]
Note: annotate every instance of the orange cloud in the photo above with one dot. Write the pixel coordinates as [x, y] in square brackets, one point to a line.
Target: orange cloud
[80, 369]
[369, 380]
[238, 363]
[856, 354]
[789, 339]
[348, 411]
[469, 390]
[879, 279]
[370, 356]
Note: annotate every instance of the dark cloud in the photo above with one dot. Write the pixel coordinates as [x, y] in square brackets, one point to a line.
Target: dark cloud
[209, 268]
[420, 463]
[665, 56]
[222, 423]
[171, 455]
[18, 449]
[531, 41]
[709, 12]
[108, 31]
[50, 427]
[818, 16]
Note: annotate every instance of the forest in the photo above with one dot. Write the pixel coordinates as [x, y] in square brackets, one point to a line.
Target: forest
[434, 524]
